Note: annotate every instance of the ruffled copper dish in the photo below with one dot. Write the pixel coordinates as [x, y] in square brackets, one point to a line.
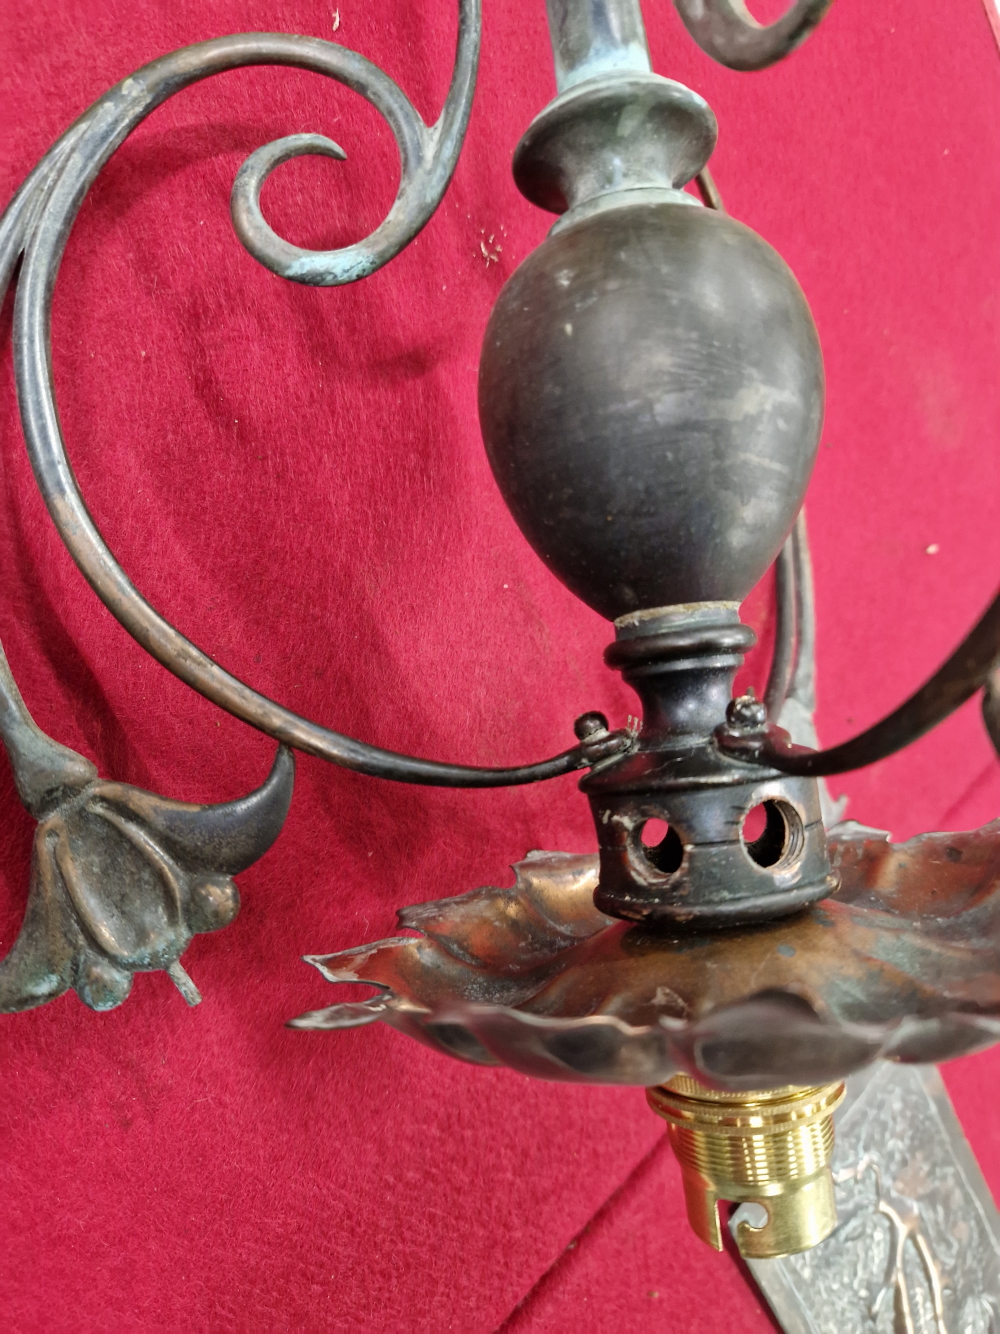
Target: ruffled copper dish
[903, 963]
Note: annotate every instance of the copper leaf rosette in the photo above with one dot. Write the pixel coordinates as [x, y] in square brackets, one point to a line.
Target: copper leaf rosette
[903, 963]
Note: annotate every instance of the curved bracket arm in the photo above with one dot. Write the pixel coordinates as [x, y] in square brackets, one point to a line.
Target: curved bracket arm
[428, 156]
[38, 223]
[779, 677]
[991, 706]
[728, 32]
[968, 668]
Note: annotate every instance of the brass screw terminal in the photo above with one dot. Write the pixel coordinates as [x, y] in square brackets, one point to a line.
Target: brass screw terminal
[768, 1148]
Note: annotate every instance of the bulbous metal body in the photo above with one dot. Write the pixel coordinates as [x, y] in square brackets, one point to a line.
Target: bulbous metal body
[651, 396]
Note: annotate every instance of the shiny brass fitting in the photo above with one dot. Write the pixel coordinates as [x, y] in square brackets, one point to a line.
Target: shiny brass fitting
[771, 1149]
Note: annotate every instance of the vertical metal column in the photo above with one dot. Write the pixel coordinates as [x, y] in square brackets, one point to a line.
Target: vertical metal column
[591, 37]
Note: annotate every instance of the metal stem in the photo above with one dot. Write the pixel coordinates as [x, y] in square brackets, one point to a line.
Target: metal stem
[802, 686]
[783, 660]
[592, 37]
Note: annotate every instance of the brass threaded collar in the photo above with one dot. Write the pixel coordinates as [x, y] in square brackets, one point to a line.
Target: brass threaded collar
[693, 1088]
[679, 1104]
[770, 1147]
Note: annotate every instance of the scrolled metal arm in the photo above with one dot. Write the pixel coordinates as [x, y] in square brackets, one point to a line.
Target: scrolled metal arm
[428, 155]
[974, 664]
[37, 224]
[970, 667]
[728, 32]
[779, 678]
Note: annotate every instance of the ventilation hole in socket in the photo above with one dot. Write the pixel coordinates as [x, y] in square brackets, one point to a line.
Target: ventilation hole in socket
[662, 846]
[772, 834]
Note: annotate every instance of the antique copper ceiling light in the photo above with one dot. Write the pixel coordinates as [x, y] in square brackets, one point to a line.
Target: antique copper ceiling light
[651, 398]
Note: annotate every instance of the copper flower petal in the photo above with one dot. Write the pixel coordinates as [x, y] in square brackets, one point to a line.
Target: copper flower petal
[548, 908]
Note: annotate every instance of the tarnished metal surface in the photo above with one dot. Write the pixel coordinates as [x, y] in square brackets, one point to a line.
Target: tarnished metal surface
[596, 38]
[991, 707]
[728, 32]
[121, 879]
[779, 677]
[428, 155]
[917, 1250]
[588, 39]
[966, 671]
[790, 694]
[573, 160]
[681, 662]
[675, 123]
[37, 225]
[857, 976]
[904, 963]
[600, 452]
[713, 392]
[616, 128]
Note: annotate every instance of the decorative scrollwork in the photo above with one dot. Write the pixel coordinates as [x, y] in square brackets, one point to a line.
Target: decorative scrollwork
[905, 1226]
[37, 224]
[428, 155]
[729, 33]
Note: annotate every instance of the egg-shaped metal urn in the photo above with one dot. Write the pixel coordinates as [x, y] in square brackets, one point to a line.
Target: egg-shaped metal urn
[651, 396]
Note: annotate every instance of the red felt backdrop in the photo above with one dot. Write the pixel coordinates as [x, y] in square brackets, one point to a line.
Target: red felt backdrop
[295, 477]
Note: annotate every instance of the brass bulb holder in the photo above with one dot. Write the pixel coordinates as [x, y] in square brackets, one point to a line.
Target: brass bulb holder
[770, 1148]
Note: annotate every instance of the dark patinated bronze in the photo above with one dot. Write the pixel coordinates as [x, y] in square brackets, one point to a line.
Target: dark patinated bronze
[37, 226]
[991, 707]
[121, 879]
[706, 870]
[970, 668]
[570, 157]
[651, 395]
[608, 400]
[726, 30]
